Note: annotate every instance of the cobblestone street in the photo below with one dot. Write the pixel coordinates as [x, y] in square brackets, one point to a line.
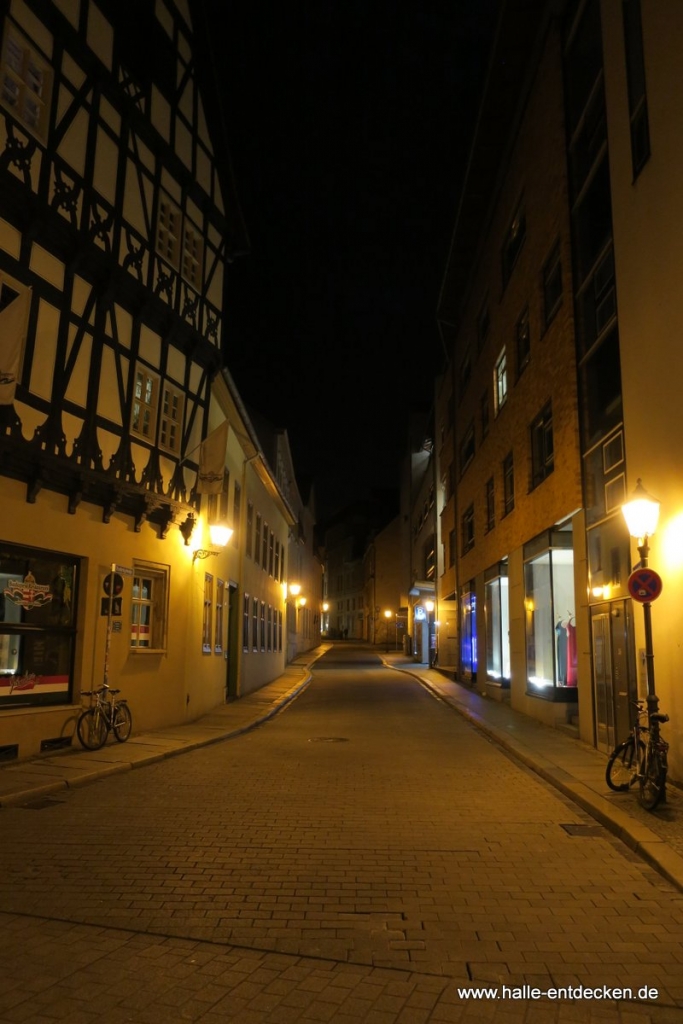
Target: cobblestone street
[363, 856]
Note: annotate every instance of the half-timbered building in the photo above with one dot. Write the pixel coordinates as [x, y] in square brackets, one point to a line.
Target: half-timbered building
[114, 239]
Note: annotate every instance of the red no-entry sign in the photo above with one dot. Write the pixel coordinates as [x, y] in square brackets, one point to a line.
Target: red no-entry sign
[644, 585]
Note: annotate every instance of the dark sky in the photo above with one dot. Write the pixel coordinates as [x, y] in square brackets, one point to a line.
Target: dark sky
[348, 123]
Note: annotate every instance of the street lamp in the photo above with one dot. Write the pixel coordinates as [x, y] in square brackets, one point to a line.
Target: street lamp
[642, 515]
[219, 535]
[387, 616]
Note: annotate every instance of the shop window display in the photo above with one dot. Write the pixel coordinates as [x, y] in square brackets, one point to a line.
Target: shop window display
[37, 626]
[550, 617]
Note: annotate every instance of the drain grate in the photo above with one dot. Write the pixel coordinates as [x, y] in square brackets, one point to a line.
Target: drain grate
[41, 804]
[328, 739]
[584, 830]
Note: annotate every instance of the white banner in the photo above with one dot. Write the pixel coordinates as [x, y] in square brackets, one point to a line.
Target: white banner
[212, 461]
[13, 320]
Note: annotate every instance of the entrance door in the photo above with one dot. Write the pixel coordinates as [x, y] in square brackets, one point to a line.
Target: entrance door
[614, 677]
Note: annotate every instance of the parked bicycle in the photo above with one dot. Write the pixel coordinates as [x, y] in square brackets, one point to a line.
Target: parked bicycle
[106, 714]
[642, 758]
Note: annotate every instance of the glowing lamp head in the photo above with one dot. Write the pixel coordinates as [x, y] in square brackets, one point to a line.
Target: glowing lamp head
[219, 534]
[641, 513]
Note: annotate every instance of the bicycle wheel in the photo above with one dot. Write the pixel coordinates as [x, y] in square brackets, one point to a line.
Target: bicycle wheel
[92, 729]
[123, 722]
[623, 765]
[652, 780]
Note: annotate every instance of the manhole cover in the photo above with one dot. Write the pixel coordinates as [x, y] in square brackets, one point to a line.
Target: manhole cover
[583, 830]
[328, 739]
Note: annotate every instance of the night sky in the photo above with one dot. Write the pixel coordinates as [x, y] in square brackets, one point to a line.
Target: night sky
[348, 123]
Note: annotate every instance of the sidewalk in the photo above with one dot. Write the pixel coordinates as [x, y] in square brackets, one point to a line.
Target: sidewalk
[572, 767]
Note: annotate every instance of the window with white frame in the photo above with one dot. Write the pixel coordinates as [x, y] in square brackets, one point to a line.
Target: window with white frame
[149, 607]
[26, 87]
[245, 622]
[193, 255]
[263, 625]
[169, 226]
[170, 427]
[208, 613]
[220, 604]
[145, 401]
[500, 380]
[254, 624]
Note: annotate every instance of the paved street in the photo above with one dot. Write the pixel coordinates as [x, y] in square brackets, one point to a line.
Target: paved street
[364, 856]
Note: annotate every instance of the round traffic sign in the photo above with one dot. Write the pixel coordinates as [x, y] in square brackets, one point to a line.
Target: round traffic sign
[117, 583]
[644, 585]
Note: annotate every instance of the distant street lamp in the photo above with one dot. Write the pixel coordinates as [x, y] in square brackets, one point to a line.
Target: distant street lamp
[387, 616]
[642, 515]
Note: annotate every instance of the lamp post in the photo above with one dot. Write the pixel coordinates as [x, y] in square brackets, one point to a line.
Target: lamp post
[642, 514]
[387, 616]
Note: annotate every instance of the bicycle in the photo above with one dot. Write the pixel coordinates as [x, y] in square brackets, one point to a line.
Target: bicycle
[106, 715]
[636, 760]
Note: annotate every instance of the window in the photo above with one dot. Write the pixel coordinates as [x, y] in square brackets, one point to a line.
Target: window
[508, 484]
[451, 547]
[264, 547]
[500, 381]
[552, 284]
[483, 324]
[467, 448]
[497, 614]
[149, 600]
[257, 539]
[542, 446]
[279, 630]
[145, 397]
[276, 572]
[245, 622]
[465, 371]
[169, 222]
[171, 419]
[269, 628]
[193, 255]
[490, 505]
[429, 559]
[514, 240]
[635, 76]
[220, 603]
[208, 613]
[484, 413]
[254, 624]
[549, 603]
[523, 340]
[271, 554]
[236, 508]
[248, 540]
[263, 625]
[26, 83]
[467, 527]
[38, 616]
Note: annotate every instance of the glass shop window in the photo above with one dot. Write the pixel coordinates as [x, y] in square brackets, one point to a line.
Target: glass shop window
[497, 610]
[549, 612]
[468, 634]
[37, 626]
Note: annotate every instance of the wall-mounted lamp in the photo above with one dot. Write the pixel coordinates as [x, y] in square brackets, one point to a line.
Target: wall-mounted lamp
[295, 588]
[219, 534]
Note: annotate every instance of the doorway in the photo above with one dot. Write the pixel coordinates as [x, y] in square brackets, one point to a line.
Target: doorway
[615, 684]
